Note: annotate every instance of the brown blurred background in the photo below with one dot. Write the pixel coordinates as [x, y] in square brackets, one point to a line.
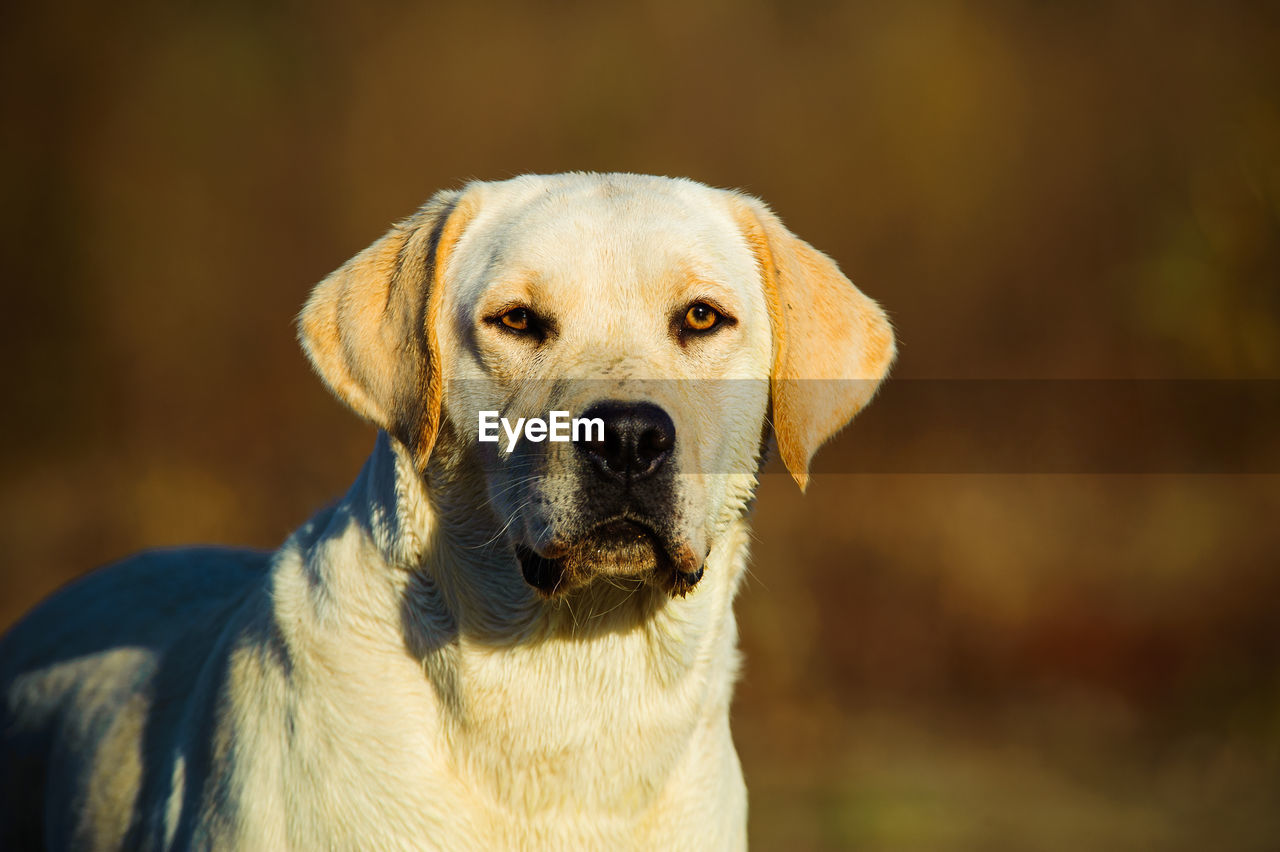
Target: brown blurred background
[1033, 189]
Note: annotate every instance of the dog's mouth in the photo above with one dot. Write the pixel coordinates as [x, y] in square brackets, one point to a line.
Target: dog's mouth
[621, 547]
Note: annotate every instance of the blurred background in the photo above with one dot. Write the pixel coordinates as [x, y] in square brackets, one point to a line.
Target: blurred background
[1085, 190]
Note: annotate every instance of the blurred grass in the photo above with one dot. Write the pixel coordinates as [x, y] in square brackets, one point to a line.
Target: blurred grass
[1032, 189]
[1013, 662]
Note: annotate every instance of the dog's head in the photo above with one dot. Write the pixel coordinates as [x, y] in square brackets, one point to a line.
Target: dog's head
[659, 327]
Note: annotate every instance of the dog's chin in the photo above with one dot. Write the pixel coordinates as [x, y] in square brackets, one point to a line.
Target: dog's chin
[618, 549]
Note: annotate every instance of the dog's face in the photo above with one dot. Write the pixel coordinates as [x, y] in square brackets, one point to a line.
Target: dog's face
[634, 302]
[665, 320]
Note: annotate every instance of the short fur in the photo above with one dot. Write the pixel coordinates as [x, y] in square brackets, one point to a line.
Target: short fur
[387, 679]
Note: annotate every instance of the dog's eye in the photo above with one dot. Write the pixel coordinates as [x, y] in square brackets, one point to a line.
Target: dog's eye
[521, 322]
[701, 317]
[518, 319]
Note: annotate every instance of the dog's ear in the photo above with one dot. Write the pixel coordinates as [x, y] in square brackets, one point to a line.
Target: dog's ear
[367, 328]
[832, 345]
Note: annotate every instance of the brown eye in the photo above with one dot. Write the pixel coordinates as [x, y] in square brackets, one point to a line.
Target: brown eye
[517, 319]
[701, 317]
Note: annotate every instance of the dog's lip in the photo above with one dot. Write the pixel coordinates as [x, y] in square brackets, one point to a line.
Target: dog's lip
[543, 566]
[621, 525]
[624, 525]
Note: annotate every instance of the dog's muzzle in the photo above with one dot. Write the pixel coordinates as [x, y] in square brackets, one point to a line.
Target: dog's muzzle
[626, 493]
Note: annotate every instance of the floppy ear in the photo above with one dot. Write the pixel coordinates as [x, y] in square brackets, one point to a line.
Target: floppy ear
[831, 344]
[367, 327]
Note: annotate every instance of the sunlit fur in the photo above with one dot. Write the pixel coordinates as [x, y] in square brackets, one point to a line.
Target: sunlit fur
[387, 679]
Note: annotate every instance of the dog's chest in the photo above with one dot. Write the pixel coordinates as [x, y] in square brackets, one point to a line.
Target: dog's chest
[547, 745]
[566, 724]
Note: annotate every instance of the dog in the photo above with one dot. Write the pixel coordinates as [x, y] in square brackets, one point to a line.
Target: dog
[513, 644]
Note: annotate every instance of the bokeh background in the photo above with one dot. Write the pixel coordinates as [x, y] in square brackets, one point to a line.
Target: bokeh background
[1079, 190]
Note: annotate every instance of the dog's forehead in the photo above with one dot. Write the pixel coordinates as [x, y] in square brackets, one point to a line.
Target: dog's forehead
[602, 233]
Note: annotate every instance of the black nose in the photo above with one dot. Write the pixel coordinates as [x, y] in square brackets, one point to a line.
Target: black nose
[638, 438]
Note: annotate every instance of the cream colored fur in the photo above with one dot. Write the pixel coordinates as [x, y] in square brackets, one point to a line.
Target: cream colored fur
[387, 679]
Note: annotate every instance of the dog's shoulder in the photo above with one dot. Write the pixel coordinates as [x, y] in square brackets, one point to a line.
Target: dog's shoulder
[142, 603]
[86, 671]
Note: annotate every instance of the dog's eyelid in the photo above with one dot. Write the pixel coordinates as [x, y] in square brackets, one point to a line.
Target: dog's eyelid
[495, 313]
[714, 304]
[724, 317]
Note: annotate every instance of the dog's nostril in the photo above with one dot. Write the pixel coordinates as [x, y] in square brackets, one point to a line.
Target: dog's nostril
[653, 443]
[638, 438]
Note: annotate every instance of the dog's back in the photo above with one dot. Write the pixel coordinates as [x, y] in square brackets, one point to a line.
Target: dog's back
[94, 683]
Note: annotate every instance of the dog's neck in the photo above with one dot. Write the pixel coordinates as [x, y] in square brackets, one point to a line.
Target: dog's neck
[605, 690]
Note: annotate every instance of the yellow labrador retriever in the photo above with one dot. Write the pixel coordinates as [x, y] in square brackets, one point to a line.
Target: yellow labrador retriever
[515, 630]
